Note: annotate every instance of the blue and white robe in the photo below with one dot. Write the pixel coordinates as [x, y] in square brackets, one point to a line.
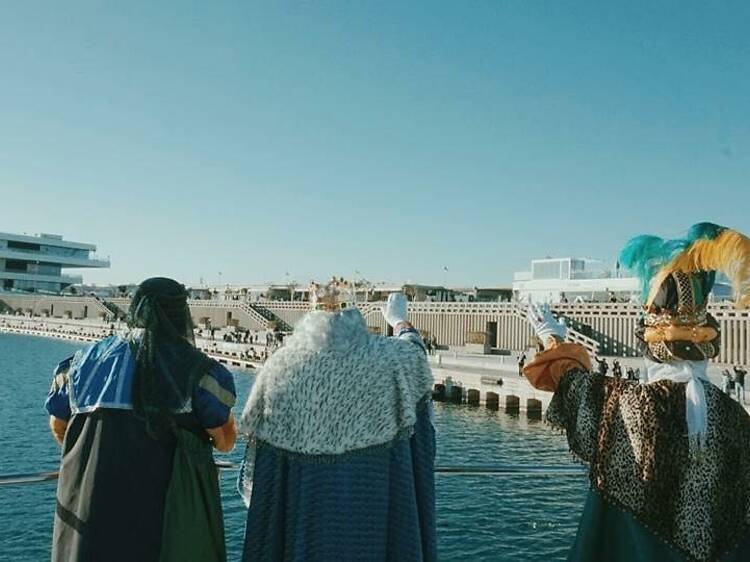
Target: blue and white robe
[341, 458]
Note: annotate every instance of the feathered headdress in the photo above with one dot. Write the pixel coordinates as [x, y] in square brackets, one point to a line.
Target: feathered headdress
[676, 278]
[707, 248]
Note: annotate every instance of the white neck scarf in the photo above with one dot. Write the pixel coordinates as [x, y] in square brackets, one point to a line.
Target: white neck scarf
[691, 373]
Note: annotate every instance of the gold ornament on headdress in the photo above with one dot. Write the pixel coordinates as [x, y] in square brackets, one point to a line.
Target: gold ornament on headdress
[332, 296]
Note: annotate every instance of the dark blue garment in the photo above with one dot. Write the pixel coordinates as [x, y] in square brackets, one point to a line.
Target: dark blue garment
[607, 534]
[371, 505]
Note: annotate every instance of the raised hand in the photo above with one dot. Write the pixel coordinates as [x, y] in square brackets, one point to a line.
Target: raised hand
[544, 323]
[395, 310]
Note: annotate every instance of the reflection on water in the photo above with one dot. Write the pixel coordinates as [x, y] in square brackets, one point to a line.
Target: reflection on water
[503, 517]
[479, 517]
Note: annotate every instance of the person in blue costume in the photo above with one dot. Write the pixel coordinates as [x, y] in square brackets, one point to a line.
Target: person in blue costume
[341, 447]
[137, 415]
[669, 460]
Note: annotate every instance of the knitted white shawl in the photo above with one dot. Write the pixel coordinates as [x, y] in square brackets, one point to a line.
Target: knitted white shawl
[334, 388]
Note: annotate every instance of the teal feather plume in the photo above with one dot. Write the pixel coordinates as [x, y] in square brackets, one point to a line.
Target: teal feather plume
[646, 255]
[702, 230]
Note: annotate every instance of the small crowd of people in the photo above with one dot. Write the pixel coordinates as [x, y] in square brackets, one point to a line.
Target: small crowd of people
[631, 374]
[270, 340]
[63, 330]
[236, 336]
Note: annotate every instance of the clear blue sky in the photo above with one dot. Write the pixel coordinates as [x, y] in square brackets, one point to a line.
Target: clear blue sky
[393, 138]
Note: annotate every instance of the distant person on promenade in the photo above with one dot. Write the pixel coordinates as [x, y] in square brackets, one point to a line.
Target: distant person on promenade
[521, 363]
[340, 461]
[726, 381]
[669, 461]
[732, 385]
[739, 383]
[137, 415]
[616, 369]
[603, 366]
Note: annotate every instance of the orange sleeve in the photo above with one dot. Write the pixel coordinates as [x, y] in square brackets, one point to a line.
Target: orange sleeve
[225, 436]
[548, 367]
[58, 428]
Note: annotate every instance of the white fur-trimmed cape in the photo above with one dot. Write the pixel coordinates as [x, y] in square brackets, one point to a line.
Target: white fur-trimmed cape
[335, 388]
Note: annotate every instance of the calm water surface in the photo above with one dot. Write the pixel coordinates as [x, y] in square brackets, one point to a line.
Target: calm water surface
[479, 518]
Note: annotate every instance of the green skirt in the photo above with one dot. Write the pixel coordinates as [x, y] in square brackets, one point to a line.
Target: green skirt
[607, 534]
[193, 520]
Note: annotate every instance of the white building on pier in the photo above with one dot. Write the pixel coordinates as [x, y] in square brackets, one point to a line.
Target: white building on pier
[572, 279]
[558, 280]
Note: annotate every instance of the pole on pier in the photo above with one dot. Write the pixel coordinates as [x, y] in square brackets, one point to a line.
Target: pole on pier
[492, 401]
[438, 394]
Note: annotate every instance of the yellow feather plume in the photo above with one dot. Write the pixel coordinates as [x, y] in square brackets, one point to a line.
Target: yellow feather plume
[729, 253]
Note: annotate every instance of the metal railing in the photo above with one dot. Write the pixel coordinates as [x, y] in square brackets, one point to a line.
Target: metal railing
[20, 479]
[268, 315]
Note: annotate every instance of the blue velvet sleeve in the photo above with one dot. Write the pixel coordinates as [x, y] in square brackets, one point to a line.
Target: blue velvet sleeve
[58, 399]
[214, 397]
[411, 334]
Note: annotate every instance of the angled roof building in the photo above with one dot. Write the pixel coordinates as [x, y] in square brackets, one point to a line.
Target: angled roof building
[36, 263]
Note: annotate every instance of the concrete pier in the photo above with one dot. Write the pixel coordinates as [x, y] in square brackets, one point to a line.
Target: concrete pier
[489, 382]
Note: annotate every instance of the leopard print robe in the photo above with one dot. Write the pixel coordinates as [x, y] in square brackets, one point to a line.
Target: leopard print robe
[634, 437]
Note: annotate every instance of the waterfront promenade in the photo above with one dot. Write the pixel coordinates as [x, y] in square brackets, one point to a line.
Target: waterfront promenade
[460, 374]
[606, 329]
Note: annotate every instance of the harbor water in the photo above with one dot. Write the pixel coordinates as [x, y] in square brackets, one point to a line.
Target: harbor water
[492, 518]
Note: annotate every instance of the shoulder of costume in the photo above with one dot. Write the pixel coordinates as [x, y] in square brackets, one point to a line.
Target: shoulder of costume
[218, 370]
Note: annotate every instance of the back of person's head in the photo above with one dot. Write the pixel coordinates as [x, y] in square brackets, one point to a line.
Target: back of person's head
[160, 304]
[167, 365]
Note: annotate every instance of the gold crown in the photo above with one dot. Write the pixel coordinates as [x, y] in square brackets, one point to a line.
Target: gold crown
[333, 296]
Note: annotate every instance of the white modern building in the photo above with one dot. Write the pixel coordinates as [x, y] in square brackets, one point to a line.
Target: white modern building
[558, 279]
[37, 263]
[585, 280]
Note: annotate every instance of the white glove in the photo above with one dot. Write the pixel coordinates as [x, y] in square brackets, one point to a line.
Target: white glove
[544, 324]
[395, 309]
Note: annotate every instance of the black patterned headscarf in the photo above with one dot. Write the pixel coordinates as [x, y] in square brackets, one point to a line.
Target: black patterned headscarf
[168, 366]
